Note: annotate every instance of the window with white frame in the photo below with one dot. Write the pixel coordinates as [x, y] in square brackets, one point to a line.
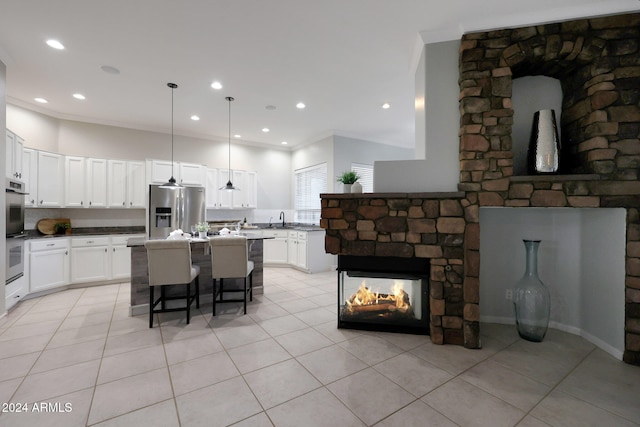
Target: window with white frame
[366, 176]
[309, 183]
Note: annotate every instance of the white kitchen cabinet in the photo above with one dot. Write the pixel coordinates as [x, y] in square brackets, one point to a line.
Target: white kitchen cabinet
[14, 148]
[251, 189]
[50, 180]
[121, 256]
[212, 188]
[30, 176]
[90, 259]
[161, 170]
[275, 250]
[297, 248]
[126, 184]
[14, 292]
[225, 198]
[191, 174]
[117, 179]
[48, 263]
[74, 181]
[238, 198]
[96, 183]
[136, 184]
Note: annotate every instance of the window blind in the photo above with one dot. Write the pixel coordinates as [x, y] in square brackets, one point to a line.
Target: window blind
[309, 183]
[366, 176]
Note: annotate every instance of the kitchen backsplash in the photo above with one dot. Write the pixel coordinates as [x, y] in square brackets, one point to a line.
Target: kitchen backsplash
[81, 218]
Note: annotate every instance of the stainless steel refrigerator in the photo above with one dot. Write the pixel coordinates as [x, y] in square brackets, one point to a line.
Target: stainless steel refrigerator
[171, 209]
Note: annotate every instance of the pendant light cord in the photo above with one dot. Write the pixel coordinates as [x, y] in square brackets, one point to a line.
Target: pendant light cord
[229, 99]
[172, 88]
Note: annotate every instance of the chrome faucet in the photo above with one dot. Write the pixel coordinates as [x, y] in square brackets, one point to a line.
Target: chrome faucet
[270, 218]
[282, 218]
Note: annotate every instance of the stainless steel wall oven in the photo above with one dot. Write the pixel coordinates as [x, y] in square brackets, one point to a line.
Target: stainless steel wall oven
[14, 197]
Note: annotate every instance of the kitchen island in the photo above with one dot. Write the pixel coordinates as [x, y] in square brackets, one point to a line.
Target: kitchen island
[201, 256]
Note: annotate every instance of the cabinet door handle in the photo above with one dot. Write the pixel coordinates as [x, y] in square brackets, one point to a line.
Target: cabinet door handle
[81, 203]
[114, 249]
[51, 244]
[123, 204]
[89, 241]
[33, 201]
[89, 203]
[105, 250]
[41, 201]
[66, 252]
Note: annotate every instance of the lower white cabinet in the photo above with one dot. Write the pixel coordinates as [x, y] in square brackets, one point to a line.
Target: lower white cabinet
[297, 248]
[120, 258]
[15, 291]
[48, 263]
[90, 259]
[275, 250]
[60, 261]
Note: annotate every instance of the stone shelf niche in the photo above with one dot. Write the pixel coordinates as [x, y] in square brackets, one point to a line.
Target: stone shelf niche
[598, 64]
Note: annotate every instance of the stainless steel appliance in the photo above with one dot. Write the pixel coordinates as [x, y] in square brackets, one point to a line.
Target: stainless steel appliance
[14, 262]
[172, 209]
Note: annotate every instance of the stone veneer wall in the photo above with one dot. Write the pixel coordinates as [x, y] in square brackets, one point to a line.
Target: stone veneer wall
[421, 225]
[598, 64]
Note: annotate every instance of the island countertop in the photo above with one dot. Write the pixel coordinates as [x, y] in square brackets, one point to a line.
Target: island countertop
[201, 256]
[139, 241]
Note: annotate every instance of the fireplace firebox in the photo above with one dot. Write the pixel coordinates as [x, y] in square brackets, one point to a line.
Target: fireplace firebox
[388, 294]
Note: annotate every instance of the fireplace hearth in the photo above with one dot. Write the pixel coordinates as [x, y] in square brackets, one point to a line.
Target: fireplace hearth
[383, 294]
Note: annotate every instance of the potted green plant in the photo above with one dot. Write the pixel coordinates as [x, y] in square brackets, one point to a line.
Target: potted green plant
[202, 228]
[61, 227]
[348, 178]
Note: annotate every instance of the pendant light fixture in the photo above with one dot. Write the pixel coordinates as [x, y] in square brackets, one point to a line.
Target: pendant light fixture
[229, 186]
[171, 184]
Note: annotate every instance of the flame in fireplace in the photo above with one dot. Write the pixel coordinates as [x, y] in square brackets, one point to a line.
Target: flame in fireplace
[396, 300]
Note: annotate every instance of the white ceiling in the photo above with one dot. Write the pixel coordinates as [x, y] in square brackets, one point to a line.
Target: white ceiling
[343, 58]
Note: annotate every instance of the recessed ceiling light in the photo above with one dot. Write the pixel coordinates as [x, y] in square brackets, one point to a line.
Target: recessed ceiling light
[40, 100]
[195, 118]
[109, 69]
[79, 96]
[55, 44]
[284, 143]
[237, 136]
[265, 130]
[300, 105]
[270, 107]
[386, 105]
[216, 85]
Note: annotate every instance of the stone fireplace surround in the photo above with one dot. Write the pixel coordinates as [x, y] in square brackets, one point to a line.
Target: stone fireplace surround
[598, 64]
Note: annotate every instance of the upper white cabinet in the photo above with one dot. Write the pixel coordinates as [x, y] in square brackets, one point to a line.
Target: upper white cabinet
[96, 182]
[50, 181]
[74, 181]
[15, 144]
[30, 177]
[136, 185]
[117, 178]
[212, 186]
[125, 184]
[191, 174]
[245, 181]
[161, 170]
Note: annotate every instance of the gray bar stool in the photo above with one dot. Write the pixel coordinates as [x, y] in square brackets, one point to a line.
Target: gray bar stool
[230, 260]
[170, 264]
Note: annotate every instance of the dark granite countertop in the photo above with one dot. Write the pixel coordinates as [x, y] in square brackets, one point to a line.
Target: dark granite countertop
[87, 231]
[139, 241]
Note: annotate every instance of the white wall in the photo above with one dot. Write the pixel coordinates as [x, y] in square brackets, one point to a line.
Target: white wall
[580, 260]
[439, 144]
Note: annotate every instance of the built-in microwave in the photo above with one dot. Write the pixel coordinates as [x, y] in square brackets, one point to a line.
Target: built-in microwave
[14, 194]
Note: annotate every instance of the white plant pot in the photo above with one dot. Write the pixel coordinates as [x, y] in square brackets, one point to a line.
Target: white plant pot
[356, 187]
[346, 188]
[202, 234]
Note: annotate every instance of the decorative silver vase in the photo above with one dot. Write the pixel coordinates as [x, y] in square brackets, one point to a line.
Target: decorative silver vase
[544, 145]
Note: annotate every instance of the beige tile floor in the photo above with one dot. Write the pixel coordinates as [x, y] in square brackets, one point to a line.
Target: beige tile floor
[286, 364]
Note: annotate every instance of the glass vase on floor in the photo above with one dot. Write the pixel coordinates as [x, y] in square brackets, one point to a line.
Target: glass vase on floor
[531, 299]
